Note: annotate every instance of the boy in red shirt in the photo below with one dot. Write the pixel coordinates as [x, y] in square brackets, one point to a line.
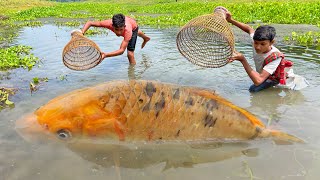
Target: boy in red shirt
[122, 26]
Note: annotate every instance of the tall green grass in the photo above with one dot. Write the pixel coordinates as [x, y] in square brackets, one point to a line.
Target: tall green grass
[290, 12]
[166, 12]
[8, 7]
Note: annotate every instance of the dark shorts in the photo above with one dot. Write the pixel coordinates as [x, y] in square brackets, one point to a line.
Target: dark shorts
[133, 40]
[266, 84]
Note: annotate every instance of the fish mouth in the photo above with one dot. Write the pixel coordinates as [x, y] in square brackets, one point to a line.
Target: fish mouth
[30, 130]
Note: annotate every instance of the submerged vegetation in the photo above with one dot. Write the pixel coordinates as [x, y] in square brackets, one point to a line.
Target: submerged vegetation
[35, 83]
[4, 97]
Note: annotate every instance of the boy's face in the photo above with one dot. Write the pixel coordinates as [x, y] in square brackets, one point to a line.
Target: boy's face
[262, 46]
[119, 30]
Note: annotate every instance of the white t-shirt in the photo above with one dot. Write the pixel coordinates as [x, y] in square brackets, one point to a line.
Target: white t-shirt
[259, 60]
[293, 81]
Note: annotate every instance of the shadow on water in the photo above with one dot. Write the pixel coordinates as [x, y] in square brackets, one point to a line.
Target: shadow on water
[136, 71]
[271, 99]
[173, 155]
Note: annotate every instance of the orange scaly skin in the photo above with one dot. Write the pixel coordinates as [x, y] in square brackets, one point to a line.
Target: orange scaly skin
[148, 110]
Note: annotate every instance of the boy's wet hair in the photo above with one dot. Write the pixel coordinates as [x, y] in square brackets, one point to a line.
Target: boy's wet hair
[264, 33]
[118, 20]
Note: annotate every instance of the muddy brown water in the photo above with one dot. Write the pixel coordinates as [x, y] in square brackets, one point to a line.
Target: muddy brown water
[296, 112]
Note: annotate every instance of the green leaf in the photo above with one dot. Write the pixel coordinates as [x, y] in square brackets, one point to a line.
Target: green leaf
[35, 80]
[8, 102]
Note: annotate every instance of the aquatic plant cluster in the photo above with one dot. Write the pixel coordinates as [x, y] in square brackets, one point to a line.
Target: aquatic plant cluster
[175, 14]
[306, 39]
[16, 57]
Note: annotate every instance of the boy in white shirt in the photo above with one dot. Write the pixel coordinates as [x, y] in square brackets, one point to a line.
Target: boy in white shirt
[269, 61]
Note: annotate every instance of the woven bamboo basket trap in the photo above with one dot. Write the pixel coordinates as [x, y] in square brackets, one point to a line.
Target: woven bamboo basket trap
[207, 40]
[81, 53]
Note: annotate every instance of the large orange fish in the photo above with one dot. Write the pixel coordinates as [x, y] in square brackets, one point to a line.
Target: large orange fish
[145, 110]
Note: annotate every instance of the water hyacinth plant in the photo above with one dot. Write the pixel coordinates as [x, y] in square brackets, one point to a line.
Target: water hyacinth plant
[16, 57]
[306, 39]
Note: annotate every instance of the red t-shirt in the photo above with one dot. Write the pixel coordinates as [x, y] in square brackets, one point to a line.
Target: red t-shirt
[130, 23]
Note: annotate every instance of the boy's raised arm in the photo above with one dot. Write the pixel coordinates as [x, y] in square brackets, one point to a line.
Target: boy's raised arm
[92, 23]
[244, 27]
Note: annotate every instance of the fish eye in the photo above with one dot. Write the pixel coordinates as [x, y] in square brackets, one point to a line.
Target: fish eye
[64, 134]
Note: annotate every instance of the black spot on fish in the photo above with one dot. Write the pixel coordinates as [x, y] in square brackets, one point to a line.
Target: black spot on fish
[258, 131]
[146, 107]
[209, 121]
[176, 94]
[160, 105]
[189, 102]
[150, 89]
[178, 133]
[210, 105]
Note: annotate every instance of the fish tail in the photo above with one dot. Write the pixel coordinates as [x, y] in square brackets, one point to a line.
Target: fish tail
[282, 136]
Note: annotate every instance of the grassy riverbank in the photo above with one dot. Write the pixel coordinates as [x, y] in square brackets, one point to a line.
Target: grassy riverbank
[173, 14]
[8, 7]
[167, 12]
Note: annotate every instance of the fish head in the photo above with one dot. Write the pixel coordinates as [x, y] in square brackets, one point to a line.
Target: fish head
[29, 128]
[80, 114]
[48, 123]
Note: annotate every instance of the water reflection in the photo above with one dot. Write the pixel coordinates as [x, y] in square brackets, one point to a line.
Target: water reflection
[271, 99]
[173, 155]
[136, 71]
